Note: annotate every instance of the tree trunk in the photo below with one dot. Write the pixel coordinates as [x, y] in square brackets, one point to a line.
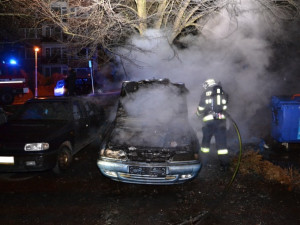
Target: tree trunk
[142, 13]
[179, 19]
[160, 14]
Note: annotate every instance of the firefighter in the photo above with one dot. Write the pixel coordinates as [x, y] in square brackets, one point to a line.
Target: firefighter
[211, 110]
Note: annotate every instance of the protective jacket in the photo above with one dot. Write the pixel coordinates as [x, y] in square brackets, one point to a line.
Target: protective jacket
[213, 103]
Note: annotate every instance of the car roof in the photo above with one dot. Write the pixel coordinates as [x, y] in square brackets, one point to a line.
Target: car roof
[51, 98]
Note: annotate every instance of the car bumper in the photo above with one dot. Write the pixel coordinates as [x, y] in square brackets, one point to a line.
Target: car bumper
[175, 173]
[27, 162]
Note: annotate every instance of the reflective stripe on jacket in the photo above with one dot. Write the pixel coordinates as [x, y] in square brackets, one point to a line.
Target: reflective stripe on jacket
[212, 116]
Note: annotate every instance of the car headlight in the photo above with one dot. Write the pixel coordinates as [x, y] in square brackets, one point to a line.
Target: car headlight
[36, 146]
[113, 154]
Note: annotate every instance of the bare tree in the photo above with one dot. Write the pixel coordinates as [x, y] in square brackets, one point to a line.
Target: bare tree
[107, 23]
[177, 16]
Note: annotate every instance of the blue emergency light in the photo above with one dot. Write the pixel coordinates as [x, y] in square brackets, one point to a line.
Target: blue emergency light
[13, 62]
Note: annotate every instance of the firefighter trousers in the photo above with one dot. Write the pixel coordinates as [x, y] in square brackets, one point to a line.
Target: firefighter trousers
[216, 128]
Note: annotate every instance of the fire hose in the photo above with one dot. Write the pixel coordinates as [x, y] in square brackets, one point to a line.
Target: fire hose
[200, 218]
[240, 151]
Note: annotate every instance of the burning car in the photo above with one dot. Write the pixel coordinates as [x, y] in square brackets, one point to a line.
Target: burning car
[151, 140]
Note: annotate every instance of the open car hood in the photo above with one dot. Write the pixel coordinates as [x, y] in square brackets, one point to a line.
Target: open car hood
[136, 132]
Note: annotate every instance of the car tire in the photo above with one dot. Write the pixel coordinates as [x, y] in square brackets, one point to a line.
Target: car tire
[7, 98]
[64, 159]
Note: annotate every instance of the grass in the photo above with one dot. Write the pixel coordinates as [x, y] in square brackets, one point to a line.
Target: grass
[253, 162]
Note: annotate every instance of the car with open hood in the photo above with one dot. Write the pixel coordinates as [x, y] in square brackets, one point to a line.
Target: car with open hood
[45, 133]
[151, 140]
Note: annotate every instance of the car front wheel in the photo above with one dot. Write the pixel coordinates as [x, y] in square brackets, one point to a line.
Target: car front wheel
[64, 159]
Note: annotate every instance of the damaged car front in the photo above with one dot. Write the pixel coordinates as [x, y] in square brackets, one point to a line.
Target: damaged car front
[151, 140]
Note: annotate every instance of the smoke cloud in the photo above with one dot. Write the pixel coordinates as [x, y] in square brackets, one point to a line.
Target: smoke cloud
[154, 115]
[232, 50]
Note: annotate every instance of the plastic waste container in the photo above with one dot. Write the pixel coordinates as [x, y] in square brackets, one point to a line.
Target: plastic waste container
[286, 119]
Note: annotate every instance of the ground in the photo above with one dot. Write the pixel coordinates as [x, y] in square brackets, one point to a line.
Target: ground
[83, 196]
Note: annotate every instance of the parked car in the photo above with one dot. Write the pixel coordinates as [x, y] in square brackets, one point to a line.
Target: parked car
[46, 133]
[151, 140]
[83, 86]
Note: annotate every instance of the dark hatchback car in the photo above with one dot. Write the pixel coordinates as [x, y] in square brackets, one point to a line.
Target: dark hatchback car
[151, 140]
[46, 132]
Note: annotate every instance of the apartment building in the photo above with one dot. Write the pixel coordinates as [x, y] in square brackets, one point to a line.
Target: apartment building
[54, 57]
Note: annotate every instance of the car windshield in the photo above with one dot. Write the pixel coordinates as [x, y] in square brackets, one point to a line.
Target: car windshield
[44, 111]
[155, 116]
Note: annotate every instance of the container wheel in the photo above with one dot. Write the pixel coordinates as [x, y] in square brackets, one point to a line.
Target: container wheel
[64, 159]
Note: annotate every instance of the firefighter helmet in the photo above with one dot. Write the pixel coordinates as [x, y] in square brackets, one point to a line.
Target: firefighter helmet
[209, 83]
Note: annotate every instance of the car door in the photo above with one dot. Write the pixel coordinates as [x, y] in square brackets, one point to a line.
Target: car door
[81, 126]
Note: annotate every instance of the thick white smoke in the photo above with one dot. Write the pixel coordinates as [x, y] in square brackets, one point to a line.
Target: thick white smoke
[154, 115]
[232, 50]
